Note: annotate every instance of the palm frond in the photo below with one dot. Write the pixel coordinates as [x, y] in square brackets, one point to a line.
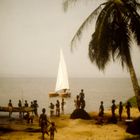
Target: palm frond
[88, 20]
[99, 47]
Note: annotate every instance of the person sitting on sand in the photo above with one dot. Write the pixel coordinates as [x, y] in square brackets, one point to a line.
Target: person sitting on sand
[51, 109]
[128, 106]
[120, 110]
[52, 130]
[43, 122]
[10, 107]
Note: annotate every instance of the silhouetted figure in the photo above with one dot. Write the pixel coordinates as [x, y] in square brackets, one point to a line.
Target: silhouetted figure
[128, 106]
[82, 104]
[51, 109]
[77, 102]
[26, 104]
[36, 107]
[62, 105]
[101, 113]
[43, 122]
[29, 117]
[57, 108]
[52, 130]
[32, 106]
[113, 108]
[10, 107]
[120, 110]
[20, 108]
[101, 109]
[81, 95]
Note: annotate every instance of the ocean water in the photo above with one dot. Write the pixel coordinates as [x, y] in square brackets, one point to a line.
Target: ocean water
[95, 89]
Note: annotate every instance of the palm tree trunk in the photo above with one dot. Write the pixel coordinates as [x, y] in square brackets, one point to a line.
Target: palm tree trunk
[134, 83]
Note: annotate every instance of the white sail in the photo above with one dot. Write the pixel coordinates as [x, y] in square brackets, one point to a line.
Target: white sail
[62, 77]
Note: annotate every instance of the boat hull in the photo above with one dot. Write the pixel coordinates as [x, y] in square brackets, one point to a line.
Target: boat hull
[53, 94]
[65, 95]
[17, 109]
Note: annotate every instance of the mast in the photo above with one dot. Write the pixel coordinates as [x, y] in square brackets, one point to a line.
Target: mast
[62, 77]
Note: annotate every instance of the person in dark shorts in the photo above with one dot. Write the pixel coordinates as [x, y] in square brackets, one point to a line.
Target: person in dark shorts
[52, 130]
[128, 107]
[120, 110]
[44, 123]
[113, 108]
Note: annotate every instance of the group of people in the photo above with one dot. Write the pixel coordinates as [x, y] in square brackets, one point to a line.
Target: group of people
[57, 107]
[47, 127]
[33, 105]
[80, 100]
[113, 109]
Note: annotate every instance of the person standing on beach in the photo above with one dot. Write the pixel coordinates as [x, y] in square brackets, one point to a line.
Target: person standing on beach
[52, 130]
[101, 109]
[51, 109]
[120, 110]
[77, 102]
[36, 107]
[26, 104]
[81, 95]
[10, 107]
[20, 108]
[43, 122]
[57, 108]
[128, 106]
[62, 105]
[113, 108]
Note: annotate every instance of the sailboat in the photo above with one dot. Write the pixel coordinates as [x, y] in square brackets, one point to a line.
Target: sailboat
[62, 83]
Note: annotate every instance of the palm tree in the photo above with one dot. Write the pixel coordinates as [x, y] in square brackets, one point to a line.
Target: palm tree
[118, 21]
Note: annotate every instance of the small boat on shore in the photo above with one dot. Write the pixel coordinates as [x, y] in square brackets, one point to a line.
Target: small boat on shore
[62, 83]
[16, 109]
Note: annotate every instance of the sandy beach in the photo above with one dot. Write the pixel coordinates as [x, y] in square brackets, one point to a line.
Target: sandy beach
[70, 129]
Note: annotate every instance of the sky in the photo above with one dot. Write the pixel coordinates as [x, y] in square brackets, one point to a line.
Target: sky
[33, 31]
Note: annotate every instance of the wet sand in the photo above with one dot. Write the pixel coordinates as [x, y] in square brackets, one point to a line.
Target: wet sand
[78, 129]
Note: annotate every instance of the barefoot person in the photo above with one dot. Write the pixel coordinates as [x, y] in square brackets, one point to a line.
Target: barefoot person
[120, 110]
[43, 122]
[52, 130]
[62, 105]
[10, 107]
[128, 106]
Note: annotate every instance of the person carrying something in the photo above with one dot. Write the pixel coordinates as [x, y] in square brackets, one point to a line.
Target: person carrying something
[43, 122]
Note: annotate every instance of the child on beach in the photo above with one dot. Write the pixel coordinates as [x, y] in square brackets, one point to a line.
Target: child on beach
[52, 130]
